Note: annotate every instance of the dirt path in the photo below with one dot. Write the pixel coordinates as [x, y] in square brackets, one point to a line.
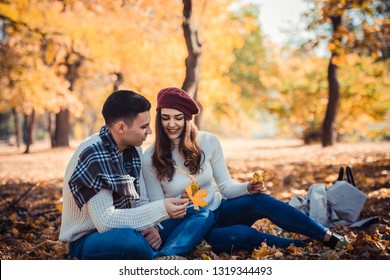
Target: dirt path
[44, 163]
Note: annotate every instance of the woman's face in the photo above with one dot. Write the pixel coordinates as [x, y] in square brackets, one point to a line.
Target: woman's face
[173, 123]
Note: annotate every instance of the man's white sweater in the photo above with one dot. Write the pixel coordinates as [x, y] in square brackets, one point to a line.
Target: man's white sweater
[99, 214]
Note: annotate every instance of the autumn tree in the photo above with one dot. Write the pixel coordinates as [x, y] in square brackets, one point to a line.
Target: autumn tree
[27, 81]
[35, 80]
[354, 25]
[113, 45]
[300, 95]
[250, 61]
[221, 32]
[297, 94]
[192, 62]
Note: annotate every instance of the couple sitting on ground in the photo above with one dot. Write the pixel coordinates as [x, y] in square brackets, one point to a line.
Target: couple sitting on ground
[119, 203]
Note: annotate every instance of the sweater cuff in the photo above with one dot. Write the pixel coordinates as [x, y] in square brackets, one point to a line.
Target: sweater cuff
[244, 189]
[161, 210]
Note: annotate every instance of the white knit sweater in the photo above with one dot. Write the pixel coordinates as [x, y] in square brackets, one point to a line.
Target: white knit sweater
[214, 176]
[99, 213]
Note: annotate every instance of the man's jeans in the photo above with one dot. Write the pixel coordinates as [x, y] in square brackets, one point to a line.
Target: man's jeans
[233, 219]
[179, 237]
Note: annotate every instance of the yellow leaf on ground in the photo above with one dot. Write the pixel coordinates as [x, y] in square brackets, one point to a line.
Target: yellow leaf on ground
[261, 252]
[12, 217]
[59, 208]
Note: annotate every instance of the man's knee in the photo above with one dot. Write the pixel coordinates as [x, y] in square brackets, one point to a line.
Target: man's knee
[132, 244]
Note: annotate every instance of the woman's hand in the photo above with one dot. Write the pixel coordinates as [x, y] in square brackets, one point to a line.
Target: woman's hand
[176, 207]
[256, 188]
[153, 237]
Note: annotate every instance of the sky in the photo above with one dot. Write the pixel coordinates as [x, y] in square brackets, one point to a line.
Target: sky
[278, 14]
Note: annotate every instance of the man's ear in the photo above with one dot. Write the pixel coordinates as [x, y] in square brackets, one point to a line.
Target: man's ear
[120, 127]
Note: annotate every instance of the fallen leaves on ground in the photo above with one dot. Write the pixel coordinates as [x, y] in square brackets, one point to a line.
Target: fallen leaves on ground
[30, 206]
[30, 217]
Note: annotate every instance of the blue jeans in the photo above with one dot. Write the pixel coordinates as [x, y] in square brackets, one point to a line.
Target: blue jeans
[233, 219]
[179, 237]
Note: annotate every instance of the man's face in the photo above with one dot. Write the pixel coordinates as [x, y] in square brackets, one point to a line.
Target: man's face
[136, 133]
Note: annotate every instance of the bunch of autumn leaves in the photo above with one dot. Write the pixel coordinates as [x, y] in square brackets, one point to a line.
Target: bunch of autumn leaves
[197, 195]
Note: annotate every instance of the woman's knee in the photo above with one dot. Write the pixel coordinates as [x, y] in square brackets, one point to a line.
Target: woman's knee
[204, 214]
[267, 202]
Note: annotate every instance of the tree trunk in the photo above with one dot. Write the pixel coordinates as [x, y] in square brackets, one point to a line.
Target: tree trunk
[27, 130]
[50, 129]
[328, 129]
[16, 126]
[193, 60]
[73, 61]
[118, 80]
[328, 125]
[61, 134]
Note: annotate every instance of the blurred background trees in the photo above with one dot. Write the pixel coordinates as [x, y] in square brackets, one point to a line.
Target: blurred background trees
[61, 59]
[348, 26]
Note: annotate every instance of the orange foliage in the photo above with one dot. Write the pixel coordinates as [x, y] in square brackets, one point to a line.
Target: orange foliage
[196, 195]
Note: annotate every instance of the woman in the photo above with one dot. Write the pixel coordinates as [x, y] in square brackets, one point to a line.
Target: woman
[180, 147]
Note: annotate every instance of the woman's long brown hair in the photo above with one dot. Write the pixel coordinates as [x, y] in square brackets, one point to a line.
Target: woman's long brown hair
[188, 148]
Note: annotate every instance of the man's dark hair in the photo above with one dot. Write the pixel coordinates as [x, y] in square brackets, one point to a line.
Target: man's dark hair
[124, 105]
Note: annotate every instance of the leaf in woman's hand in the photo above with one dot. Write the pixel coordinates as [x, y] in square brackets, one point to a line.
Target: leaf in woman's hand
[256, 178]
[262, 176]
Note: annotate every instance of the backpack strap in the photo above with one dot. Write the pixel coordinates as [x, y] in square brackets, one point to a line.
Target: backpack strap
[341, 174]
[350, 178]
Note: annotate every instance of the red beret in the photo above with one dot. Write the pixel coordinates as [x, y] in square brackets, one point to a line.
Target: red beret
[176, 98]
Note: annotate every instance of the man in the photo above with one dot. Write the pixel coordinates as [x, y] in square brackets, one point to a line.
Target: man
[106, 211]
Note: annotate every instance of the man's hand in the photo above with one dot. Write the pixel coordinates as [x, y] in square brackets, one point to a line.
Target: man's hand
[184, 194]
[256, 188]
[176, 207]
[153, 237]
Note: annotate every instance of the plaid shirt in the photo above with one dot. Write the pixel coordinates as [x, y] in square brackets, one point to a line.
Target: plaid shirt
[100, 166]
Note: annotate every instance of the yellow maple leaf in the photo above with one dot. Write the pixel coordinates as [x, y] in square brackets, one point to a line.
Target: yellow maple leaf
[262, 176]
[256, 178]
[196, 195]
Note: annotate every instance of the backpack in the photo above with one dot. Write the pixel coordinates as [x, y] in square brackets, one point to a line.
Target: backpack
[339, 204]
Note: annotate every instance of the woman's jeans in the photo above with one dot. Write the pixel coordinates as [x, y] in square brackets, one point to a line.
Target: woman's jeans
[233, 219]
[179, 237]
